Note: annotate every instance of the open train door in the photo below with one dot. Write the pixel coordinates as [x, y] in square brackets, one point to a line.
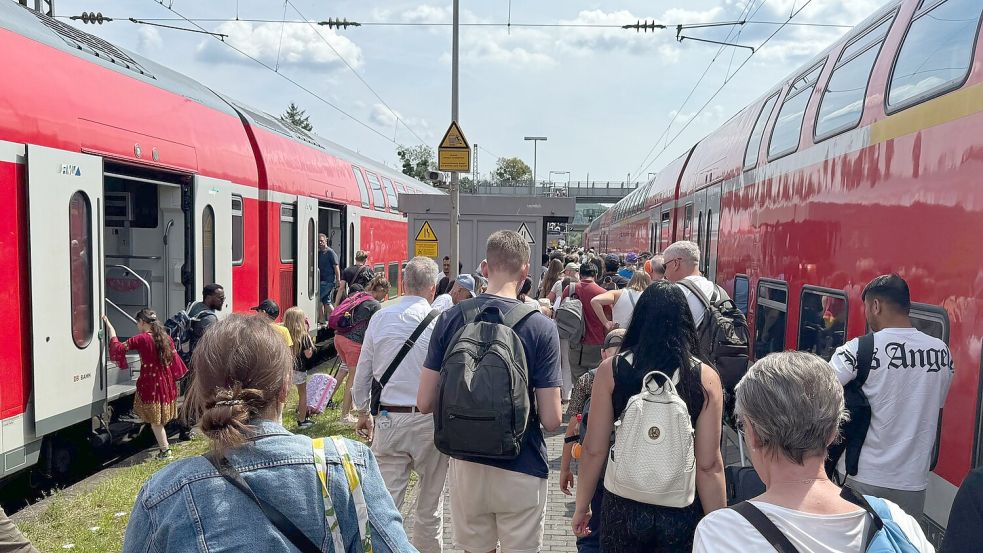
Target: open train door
[213, 237]
[305, 264]
[65, 199]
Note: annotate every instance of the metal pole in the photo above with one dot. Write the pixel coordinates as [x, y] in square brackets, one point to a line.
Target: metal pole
[455, 185]
[535, 143]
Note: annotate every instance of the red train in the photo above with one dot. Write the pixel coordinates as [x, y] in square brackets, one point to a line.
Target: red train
[124, 184]
[864, 161]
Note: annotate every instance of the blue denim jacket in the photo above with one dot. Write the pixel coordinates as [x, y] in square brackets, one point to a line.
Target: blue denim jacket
[189, 506]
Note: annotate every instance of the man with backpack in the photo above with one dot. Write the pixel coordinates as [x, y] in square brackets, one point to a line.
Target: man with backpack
[908, 374]
[201, 315]
[720, 326]
[354, 277]
[611, 280]
[492, 379]
[585, 350]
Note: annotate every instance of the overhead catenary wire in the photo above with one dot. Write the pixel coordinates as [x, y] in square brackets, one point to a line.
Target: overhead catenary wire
[282, 76]
[354, 72]
[471, 24]
[724, 84]
[679, 110]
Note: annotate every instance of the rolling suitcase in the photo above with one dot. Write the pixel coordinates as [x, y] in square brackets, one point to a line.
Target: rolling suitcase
[320, 388]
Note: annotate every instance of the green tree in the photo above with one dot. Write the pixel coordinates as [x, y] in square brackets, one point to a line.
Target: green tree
[511, 170]
[417, 160]
[297, 117]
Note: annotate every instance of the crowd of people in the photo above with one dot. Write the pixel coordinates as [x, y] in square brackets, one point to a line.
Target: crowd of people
[456, 384]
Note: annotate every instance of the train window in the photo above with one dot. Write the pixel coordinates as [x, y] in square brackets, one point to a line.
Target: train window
[822, 321]
[741, 290]
[705, 258]
[769, 317]
[378, 197]
[391, 194]
[208, 245]
[754, 142]
[931, 320]
[237, 232]
[379, 269]
[688, 222]
[288, 233]
[393, 280]
[312, 283]
[80, 268]
[937, 52]
[363, 191]
[788, 126]
[842, 104]
[664, 231]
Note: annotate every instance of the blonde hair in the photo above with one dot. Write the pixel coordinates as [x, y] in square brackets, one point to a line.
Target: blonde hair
[296, 322]
[639, 281]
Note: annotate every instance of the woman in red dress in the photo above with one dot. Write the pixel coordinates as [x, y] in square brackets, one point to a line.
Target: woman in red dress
[160, 368]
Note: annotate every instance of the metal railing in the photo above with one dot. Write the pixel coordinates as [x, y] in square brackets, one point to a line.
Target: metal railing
[143, 282]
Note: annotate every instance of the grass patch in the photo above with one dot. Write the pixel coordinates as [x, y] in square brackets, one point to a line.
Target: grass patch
[94, 519]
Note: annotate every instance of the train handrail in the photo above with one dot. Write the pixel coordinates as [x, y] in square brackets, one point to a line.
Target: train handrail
[110, 303]
[146, 284]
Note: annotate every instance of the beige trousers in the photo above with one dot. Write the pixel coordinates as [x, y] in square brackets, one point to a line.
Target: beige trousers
[403, 442]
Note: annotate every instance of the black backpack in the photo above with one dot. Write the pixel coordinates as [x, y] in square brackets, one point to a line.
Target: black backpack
[723, 334]
[484, 404]
[362, 278]
[854, 431]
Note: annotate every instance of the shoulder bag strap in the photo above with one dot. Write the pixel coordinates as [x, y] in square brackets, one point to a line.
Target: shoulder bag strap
[865, 357]
[282, 523]
[469, 309]
[354, 486]
[765, 527]
[687, 284]
[517, 314]
[631, 297]
[407, 346]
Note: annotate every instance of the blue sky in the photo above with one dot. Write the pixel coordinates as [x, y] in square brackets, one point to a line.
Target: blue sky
[603, 97]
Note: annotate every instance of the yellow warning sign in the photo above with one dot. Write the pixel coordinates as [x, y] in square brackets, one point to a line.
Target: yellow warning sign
[426, 233]
[454, 138]
[426, 249]
[454, 152]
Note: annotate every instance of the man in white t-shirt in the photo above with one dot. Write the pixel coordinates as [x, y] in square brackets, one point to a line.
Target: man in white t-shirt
[682, 261]
[906, 387]
[461, 289]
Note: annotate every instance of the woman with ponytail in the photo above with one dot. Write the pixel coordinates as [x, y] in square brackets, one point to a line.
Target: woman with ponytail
[260, 487]
[160, 368]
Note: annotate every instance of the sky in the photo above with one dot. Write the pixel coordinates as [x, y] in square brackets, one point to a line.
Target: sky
[603, 97]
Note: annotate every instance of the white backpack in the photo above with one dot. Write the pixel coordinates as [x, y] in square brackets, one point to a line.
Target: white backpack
[653, 460]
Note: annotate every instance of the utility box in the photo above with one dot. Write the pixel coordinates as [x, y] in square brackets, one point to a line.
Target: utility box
[479, 216]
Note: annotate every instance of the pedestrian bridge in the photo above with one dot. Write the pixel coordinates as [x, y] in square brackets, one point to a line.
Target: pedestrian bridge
[583, 191]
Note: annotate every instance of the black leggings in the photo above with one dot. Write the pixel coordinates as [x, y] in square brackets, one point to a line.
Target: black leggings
[628, 526]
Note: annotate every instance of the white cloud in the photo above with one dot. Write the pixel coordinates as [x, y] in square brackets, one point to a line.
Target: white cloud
[148, 38]
[710, 115]
[301, 45]
[385, 118]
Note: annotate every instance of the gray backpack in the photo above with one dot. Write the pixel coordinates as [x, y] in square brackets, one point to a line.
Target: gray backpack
[483, 401]
[570, 317]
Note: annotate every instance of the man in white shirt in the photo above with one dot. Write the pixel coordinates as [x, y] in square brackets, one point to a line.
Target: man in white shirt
[402, 437]
[682, 261]
[462, 289]
[907, 385]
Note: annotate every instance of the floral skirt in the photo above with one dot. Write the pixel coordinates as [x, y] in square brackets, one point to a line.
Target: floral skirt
[154, 412]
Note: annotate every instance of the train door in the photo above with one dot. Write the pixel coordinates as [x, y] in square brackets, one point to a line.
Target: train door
[699, 236]
[712, 231]
[305, 264]
[65, 203]
[212, 237]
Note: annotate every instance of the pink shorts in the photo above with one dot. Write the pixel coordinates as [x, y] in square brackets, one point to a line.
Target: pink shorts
[348, 350]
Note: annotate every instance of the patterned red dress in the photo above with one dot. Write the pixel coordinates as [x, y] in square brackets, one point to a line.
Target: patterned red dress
[156, 397]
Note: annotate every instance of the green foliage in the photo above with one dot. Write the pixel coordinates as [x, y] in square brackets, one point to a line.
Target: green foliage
[511, 170]
[417, 160]
[297, 117]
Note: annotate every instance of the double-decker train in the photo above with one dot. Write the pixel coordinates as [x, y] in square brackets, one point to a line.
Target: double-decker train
[124, 184]
[866, 160]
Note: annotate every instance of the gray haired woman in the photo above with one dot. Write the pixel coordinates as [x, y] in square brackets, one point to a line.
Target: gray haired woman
[790, 405]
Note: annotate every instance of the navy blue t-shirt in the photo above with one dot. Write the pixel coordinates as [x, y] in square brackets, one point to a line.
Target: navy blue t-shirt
[542, 348]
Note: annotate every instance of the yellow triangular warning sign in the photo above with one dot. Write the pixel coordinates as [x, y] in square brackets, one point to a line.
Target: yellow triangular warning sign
[426, 233]
[454, 138]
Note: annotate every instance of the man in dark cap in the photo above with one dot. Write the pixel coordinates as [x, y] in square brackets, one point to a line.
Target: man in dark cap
[271, 311]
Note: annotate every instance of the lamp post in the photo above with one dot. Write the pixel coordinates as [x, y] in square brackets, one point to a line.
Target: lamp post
[535, 143]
